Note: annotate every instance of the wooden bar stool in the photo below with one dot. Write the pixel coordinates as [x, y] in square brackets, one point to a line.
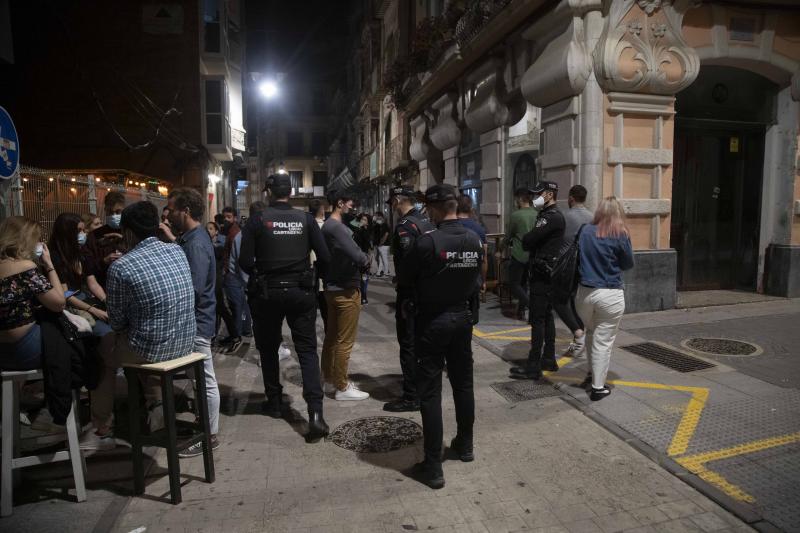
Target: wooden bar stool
[10, 438]
[168, 436]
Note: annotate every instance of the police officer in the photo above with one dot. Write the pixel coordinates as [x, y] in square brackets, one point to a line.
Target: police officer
[411, 225]
[276, 255]
[444, 266]
[544, 243]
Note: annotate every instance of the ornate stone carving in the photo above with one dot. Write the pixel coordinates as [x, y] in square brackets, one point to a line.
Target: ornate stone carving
[445, 133]
[420, 143]
[490, 106]
[642, 49]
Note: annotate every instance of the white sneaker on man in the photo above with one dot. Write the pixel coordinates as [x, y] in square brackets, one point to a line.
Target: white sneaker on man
[91, 441]
[577, 348]
[351, 393]
[284, 352]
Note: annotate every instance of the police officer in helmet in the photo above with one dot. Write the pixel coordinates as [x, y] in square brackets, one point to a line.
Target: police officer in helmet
[275, 253]
[444, 266]
[544, 244]
[411, 224]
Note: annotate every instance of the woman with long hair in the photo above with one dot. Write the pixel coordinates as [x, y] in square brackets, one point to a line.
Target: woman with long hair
[91, 222]
[27, 280]
[605, 251]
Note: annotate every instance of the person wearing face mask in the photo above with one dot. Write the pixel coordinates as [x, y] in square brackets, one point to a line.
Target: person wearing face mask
[104, 245]
[380, 241]
[543, 243]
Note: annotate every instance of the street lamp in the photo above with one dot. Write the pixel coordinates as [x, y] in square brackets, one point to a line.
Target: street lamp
[268, 89]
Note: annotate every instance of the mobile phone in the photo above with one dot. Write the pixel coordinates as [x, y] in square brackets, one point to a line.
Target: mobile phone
[69, 294]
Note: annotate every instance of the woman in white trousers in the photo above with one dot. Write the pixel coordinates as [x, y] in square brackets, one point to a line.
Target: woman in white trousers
[604, 252]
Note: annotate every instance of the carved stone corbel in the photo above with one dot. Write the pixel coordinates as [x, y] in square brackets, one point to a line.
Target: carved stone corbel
[446, 132]
[642, 48]
[489, 107]
[420, 143]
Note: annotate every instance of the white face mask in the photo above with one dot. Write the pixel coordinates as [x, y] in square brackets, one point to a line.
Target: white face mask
[39, 250]
[114, 220]
[81, 238]
[538, 202]
[418, 206]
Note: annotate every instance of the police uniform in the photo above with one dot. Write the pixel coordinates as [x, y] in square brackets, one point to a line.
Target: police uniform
[276, 255]
[444, 267]
[544, 243]
[408, 229]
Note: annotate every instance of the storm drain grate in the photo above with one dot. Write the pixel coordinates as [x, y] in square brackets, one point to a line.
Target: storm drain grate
[523, 390]
[376, 434]
[722, 346]
[668, 357]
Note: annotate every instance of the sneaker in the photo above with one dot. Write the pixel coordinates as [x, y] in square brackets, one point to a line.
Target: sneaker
[598, 394]
[197, 448]
[351, 393]
[234, 346]
[401, 406]
[549, 365]
[525, 372]
[91, 441]
[284, 352]
[577, 348]
[463, 448]
[328, 388]
[44, 422]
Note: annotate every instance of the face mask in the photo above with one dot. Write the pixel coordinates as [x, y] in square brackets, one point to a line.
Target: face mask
[39, 250]
[81, 238]
[114, 220]
[418, 206]
[538, 203]
[379, 221]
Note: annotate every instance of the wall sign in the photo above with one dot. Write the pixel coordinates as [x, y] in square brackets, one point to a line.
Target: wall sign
[9, 146]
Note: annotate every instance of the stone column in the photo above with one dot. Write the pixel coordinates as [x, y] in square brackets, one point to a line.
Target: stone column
[445, 134]
[492, 156]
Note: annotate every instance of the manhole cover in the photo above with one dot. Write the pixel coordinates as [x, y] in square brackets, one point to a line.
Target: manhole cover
[522, 390]
[668, 357]
[728, 347]
[376, 434]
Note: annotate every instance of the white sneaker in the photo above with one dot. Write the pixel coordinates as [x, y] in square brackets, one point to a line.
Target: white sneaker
[577, 348]
[351, 393]
[284, 352]
[91, 441]
[328, 388]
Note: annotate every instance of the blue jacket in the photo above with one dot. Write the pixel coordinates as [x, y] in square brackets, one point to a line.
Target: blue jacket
[603, 260]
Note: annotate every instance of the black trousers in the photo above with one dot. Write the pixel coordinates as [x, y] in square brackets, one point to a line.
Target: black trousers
[517, 281]
[405, 338]
[223, 311]
[543, 326]
[298, 306]
[444, 338]
[322, 305]
[567, 312]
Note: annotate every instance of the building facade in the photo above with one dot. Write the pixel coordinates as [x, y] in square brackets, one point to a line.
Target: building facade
[686, 112]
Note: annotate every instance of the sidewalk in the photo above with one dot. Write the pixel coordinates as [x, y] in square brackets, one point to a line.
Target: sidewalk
[541, 465]
[732, 430]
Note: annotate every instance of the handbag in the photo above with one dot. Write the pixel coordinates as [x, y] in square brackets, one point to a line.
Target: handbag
[79, 325]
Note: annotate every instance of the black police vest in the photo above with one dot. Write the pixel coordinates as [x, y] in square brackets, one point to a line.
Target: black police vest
[454, 274]
[283, 240]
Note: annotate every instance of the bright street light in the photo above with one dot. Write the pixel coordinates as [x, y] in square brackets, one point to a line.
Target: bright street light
[268, 89]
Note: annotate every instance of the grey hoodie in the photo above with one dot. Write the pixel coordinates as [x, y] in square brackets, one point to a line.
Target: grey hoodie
[347, 259]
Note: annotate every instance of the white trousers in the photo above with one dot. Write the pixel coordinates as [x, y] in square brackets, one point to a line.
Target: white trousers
[382, 259]
[601, 311]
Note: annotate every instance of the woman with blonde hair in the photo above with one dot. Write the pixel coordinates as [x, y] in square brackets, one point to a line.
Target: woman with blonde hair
[604, 252]
[91, 222]
[27, 279]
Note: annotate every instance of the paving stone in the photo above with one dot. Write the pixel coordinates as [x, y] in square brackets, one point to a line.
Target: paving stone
[649, 515]
[617, 522]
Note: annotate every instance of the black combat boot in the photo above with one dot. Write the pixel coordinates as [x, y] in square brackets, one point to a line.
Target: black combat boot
[549, 364]
[527, 371]
[317, 428]
[462, 446]
[273, 407]
[430, 474]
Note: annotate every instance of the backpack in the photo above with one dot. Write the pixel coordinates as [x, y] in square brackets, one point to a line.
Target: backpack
[564, 274]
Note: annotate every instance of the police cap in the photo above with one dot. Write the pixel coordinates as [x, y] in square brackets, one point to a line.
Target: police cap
[278, 181]
[542, 186]
[440, 193]
[401, 190]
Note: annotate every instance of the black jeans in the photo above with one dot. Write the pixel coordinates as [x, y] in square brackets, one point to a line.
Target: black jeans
[567, 312]
[517, 281]
[543, 326]
[405, 338]
[298, 306]
[223, 311]
[444, 338]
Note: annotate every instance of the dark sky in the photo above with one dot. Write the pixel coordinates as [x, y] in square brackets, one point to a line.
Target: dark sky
[306, 39]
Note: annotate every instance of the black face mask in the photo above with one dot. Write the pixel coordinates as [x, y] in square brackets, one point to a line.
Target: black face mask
[348, 218]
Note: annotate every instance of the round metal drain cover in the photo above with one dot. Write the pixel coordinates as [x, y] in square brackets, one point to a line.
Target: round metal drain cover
[376, 434]
[727, 347]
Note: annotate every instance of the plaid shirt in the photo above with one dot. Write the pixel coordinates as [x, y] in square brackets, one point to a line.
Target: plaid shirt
[151, 297]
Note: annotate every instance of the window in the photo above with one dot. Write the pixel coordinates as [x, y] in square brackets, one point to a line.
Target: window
[216, 111]
[212, 30]
[296, 177]
[319, 143]
[320, 178]
[294, 143]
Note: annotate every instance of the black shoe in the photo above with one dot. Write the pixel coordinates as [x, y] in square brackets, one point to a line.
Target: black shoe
[587, 381]
[525, 372]
[401, 406]
[463, 448]
[430, 474]
[197, 448]
[598, 394]
[234, 345]
[550, 365]
[272, 407]
[317, 428]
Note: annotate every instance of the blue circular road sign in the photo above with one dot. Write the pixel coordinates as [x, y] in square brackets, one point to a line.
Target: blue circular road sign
[9, 146]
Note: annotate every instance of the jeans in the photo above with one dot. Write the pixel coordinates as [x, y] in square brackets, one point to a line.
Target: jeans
[543, 326]
[568, 314]
[440, 339]
[203, 346]
[298, 307]
[364, 286]
[25, 354]
[517, 276]
[235, 292]
[405, 338]
[223, 311]
[344, 307]
[601, 311]
[382, 260]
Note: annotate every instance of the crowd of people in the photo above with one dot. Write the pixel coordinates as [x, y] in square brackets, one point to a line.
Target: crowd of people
[146, 286]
